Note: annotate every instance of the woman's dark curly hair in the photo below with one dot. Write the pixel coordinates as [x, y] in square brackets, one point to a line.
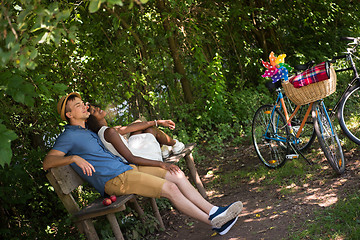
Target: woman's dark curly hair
[93, 124]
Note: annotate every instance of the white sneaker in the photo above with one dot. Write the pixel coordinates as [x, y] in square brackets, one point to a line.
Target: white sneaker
[165, 151]
[178, 147]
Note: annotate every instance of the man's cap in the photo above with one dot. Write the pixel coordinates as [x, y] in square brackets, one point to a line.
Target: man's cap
[62, 103]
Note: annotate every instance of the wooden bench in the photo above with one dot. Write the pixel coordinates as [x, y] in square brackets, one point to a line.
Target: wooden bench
[64, 180]
[194, 176]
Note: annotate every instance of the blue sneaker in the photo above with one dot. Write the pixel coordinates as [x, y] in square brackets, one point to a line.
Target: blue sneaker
[225, 214]
[226, 227]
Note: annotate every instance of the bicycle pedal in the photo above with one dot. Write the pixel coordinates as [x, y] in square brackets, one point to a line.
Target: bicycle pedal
[292, 156]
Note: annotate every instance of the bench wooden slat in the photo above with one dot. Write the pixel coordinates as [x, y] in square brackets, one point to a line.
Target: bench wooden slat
[67, 178]
[176, 158]
[97, 208]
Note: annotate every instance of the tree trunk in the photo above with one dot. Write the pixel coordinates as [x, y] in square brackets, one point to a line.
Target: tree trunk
[179, 67]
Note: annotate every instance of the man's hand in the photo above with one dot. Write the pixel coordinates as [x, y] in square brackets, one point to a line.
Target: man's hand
[167, 123]
[170, 167]
[86, 167]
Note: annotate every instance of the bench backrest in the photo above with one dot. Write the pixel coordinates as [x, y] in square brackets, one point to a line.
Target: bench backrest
[67, 178]
[64, 180]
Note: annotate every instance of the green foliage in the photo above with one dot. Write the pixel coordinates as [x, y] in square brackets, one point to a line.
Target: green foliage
[24, 25]
[6, 136]
[135, 229]
[26, 196]
[118, 54]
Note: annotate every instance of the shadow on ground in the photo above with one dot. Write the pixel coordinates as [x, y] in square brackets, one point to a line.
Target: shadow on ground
[267, 214]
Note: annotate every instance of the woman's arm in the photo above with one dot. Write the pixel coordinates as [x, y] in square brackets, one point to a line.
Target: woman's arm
[138, 126]
[112, 136]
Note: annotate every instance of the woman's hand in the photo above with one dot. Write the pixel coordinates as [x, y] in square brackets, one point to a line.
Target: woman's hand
[170, 167]
[167, 123]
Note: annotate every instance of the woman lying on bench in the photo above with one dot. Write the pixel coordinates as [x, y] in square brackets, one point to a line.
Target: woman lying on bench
[111, 174]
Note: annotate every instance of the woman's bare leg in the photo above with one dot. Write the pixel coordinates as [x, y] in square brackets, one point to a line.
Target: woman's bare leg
[160, 136]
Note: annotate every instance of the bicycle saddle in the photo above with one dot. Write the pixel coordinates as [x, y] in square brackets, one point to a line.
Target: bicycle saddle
[272, 86]
[302, 67]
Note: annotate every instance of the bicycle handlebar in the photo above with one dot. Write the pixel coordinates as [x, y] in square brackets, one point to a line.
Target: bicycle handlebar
[333, 60]
[348, 38]
[348, 54]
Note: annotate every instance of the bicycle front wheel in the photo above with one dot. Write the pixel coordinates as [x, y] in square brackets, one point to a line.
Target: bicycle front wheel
[269, 134]
[349, 114]
[328, 139]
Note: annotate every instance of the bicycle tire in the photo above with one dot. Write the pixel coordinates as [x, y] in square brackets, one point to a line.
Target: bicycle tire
[308, 134]
[328, 139]
[269, 123]
[349, 114]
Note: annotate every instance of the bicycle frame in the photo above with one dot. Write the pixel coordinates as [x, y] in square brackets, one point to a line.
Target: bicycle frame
[281, 105]
[280, 102]
[356, 79]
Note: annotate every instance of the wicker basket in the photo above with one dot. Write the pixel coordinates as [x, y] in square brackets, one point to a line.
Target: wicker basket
[311, 92]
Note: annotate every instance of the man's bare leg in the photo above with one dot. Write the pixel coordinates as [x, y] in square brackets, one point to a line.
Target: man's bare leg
[218, 216]
[183, 204]
[189, 191]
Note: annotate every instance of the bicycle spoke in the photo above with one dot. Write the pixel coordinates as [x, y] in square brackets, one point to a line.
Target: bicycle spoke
[349, 115]
[328, 138]
[268, 134]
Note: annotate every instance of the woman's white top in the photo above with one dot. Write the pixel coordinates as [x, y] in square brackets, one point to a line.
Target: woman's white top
[142, 145]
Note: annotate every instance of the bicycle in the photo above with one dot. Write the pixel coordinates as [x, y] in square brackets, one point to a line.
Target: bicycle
[347, 107]
[276, 140]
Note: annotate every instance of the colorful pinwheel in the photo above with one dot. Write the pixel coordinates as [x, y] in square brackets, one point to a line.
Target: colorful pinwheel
[277, 68]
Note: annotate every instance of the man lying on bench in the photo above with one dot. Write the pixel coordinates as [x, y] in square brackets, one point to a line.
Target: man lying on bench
[111, 174]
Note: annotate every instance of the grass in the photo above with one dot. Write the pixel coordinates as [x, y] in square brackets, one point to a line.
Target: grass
[293, 172]
[342, 221]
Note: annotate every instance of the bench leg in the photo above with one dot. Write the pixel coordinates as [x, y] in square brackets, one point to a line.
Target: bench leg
[88, 228]
[194, 174]
[115, 226]
[134, 204]
[156, 212]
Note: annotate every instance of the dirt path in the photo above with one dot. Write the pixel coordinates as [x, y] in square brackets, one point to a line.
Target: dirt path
[267, 213]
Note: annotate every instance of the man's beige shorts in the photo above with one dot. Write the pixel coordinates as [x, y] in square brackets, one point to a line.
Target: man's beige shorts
[141, 180]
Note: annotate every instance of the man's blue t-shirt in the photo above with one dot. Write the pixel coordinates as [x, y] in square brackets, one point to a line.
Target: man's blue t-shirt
[76, 140]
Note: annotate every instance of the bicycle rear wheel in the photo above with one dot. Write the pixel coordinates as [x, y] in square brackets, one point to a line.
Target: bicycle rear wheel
[269, 134]
[349, 114]
[328, 139]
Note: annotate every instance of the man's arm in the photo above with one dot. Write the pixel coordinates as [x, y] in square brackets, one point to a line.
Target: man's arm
[56, 158]
[137, 126]
[113, 137]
